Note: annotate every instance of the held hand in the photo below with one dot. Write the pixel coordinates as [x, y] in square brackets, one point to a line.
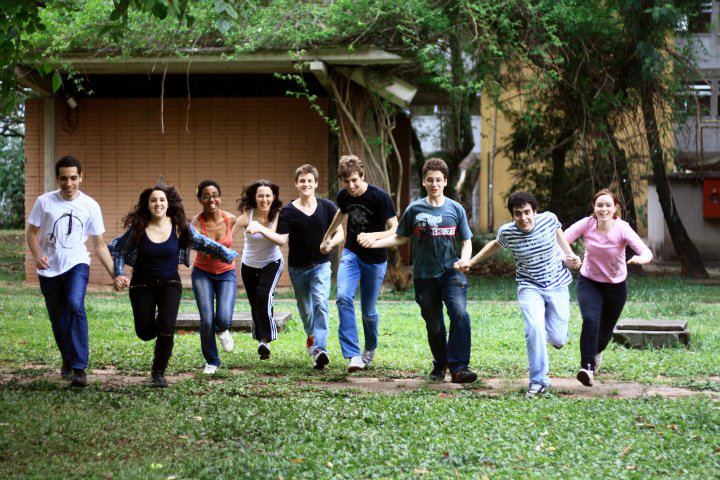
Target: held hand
[325, 247]
[42, 263]
[253, 228]
[120, 282]
[365, 239]
[461, 266]
[635, 260]
[572, 261]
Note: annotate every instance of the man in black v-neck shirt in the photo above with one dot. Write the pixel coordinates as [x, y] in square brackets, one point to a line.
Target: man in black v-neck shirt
[368, 209]
[303, 223]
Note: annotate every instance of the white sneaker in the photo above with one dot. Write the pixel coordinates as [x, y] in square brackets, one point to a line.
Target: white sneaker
[598, 362]
[356, 364]
[226, 340]
[320, 359]
[585, 376]
[368, 356]
[536, 390]
[210, 369]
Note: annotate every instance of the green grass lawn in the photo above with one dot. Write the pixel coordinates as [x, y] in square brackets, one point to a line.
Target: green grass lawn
[273, 420]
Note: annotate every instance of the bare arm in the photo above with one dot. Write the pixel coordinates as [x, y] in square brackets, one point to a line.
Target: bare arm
[269, 232]
[571, 260]
[325, 245]
[103, 253]
[394, 240]
[366, 239]
[490, 249]
[31, 237]
[241, 222]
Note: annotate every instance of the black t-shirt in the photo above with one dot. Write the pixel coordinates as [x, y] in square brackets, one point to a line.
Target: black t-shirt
[306, 232]
[367, 213]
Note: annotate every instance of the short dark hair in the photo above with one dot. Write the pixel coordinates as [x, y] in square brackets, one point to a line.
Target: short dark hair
[518, 199]
[65, 162]
[203, 185]
[307, 168]
[436, 164]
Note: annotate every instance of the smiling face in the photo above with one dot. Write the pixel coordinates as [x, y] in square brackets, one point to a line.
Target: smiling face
[605, 207]
[524, 217]
[353, 184]
[210, 199]
[434, 183]
[69, 181]
[306, 184]
[158, 204]
[264, 198]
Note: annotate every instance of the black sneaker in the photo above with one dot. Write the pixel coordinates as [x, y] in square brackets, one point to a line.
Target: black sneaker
[464, 376]
[158, 380]
[79, 378]
[66, 371]
[320, 359]
[264, 351]
[437, 374]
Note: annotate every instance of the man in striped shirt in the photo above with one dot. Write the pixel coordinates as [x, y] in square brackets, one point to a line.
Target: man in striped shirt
[536, 241]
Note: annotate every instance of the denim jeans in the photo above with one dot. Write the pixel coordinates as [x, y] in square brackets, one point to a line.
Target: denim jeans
[369, 276]
[450, 288]
[600, 306]
[546, 313]
[215, 298]
[65, 301]
[312, 291]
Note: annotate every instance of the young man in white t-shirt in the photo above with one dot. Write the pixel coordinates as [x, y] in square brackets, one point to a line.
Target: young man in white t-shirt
[57, 229]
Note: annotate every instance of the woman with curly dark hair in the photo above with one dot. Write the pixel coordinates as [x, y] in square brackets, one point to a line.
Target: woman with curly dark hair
[158, 238]
[262, 261]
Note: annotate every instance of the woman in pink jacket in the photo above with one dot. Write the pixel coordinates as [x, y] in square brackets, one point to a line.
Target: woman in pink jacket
[601, 287]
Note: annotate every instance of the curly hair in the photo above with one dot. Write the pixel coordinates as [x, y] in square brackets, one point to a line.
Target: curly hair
[247, 201]
[203, 185]
[350, 164]
[138, 218]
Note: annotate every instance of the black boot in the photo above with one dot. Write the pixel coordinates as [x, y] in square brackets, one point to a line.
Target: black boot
[158, 379]
[79, 378]
[163, 352]
[66, 371]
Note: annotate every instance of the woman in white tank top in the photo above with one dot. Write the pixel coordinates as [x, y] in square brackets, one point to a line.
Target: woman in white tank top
[262, 261]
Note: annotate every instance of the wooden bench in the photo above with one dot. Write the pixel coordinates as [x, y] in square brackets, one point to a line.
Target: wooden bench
[637, 333]
[241, 321]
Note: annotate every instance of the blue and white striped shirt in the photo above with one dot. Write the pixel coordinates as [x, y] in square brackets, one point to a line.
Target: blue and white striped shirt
[537, 255]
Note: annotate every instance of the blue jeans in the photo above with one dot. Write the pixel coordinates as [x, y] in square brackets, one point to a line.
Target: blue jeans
[353, 271]
[449, 288]
[546, 313]
[65, 301]
[211, 289]
[312, 291]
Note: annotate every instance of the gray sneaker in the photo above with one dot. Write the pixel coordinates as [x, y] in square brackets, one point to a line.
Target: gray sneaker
[536, 390]
[368, 356]
[356, 364]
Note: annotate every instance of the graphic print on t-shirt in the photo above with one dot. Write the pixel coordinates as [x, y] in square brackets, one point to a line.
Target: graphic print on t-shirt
[360, 217]
[67, 231]
[428, 226]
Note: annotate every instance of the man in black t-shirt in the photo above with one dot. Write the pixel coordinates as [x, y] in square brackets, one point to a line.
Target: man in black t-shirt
[368, 210]
[304, 221]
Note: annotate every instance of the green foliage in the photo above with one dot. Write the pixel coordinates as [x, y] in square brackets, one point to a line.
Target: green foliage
[12, 182]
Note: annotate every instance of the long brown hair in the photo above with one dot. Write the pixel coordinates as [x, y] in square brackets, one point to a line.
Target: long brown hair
[138, 218]
[247, 201]
[616, 200]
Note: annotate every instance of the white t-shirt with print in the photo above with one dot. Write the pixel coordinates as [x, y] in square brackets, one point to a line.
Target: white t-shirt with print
[65, 226]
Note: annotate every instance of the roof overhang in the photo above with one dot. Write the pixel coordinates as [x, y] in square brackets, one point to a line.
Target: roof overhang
[214, 61]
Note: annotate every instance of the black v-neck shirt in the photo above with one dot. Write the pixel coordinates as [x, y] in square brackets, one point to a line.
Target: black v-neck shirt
[306, 232]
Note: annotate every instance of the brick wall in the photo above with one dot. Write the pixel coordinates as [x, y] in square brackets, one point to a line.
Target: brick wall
[124, 150]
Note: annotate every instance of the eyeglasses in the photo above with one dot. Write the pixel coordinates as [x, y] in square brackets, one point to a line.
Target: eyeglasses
[206, 197]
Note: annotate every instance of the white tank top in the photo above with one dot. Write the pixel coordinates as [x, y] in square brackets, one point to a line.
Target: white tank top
[258, 251]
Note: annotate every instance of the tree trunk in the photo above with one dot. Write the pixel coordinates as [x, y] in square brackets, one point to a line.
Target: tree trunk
[684, 247]
[558, 155]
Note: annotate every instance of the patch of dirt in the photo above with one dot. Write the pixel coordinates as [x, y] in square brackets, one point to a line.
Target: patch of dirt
[491, 387]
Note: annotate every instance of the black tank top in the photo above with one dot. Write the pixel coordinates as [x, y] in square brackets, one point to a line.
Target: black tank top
[157, 261]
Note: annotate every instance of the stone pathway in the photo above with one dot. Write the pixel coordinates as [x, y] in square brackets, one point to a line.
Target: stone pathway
[491, 387]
